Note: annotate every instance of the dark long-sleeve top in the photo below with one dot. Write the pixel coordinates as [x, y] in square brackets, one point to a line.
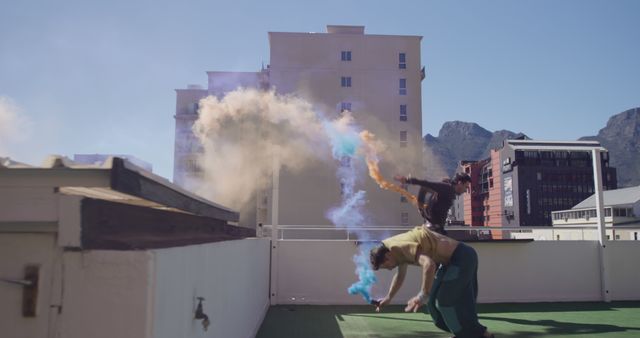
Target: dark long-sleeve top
[440, 202]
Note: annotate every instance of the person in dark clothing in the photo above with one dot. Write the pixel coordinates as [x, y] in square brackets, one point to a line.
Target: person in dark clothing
[449, 287]
[434, 210]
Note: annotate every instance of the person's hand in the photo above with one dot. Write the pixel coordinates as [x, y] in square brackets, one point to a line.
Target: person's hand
[382, 302]
[413, 304]
[400, 178]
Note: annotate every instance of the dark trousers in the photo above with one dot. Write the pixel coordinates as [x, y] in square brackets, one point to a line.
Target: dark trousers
[452, 300]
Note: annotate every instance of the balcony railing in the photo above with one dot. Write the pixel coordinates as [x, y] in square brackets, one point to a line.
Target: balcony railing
[542, 233]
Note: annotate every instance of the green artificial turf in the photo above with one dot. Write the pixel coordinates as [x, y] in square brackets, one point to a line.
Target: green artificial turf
[617, 319]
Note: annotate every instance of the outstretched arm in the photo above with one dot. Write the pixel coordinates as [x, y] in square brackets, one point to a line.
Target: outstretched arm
[439, 187]
[396, 283]
[428, 272]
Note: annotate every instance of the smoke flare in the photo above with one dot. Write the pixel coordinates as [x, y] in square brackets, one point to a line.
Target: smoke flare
[370, 149]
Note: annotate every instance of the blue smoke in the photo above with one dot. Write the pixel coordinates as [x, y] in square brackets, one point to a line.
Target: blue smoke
[345, 140]
[366, 276]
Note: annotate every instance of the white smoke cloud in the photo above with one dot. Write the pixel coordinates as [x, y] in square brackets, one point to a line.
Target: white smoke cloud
[242, 132]
[14, 127]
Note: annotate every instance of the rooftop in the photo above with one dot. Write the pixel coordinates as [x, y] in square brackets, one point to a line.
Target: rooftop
[625, 196]
[617, 319]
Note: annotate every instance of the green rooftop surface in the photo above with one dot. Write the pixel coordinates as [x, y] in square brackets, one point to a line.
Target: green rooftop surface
[588, 319]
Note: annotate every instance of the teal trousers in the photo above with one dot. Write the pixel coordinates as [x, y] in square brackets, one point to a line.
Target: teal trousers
[452, 300]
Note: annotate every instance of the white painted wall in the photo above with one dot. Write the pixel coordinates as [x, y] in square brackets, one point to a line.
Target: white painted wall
[141, 294]
[624, 272]
[32, 204]
[319, 272]
[107, 294]
[232, 276]
[16, 251]
[538, 271]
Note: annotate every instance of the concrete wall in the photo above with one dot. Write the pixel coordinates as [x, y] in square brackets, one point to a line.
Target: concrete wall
[16, 251]
[508, 272]
[136, 294]
[107, 294]
[232, 276]
[320, 272]
[538, 271]
[624, 273]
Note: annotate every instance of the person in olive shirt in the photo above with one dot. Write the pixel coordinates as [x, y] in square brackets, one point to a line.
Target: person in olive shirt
[452, 289]
[441, 198]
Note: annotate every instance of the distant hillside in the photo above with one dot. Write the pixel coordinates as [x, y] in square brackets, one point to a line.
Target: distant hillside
[458, 141]
[621, 136]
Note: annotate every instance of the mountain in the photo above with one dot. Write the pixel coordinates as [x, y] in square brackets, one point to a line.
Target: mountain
[621, 136]
[458, 141]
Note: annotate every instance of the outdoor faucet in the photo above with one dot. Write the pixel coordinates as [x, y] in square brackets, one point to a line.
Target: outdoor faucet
[201, 315]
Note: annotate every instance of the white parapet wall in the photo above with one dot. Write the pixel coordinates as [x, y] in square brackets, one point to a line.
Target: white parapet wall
[319, 272]
[135, 294]
[18, 250]
[231, 276]
[624, 272]
[107, 294]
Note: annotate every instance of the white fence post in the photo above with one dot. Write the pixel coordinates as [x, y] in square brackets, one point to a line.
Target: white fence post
[602, 236]
[274, 232]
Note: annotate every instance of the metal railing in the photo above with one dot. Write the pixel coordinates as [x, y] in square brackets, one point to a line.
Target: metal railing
[330, 232]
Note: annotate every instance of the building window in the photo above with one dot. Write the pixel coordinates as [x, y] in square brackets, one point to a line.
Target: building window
[345, 81]
[404, 218]
[345, 106]
[403, 199]
[403, 138]
[403, 87]
[403, 112]
[635, 236]
[346, 55]
[402, 61]
[192, 166]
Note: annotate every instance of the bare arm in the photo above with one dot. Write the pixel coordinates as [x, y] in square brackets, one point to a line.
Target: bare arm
[428, 272]
[396, 283]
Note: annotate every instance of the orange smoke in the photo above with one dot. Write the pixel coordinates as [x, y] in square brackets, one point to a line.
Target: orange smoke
[371, 148]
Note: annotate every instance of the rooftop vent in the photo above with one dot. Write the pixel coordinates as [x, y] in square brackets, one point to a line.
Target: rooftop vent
[332, 29]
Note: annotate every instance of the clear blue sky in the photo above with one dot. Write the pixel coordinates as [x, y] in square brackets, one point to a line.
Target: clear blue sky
[99, 76]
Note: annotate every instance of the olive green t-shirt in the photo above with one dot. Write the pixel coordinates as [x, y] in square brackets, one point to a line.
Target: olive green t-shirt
[406, 246]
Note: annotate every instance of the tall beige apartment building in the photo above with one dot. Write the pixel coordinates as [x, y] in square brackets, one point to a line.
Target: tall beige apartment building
[376, 77]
